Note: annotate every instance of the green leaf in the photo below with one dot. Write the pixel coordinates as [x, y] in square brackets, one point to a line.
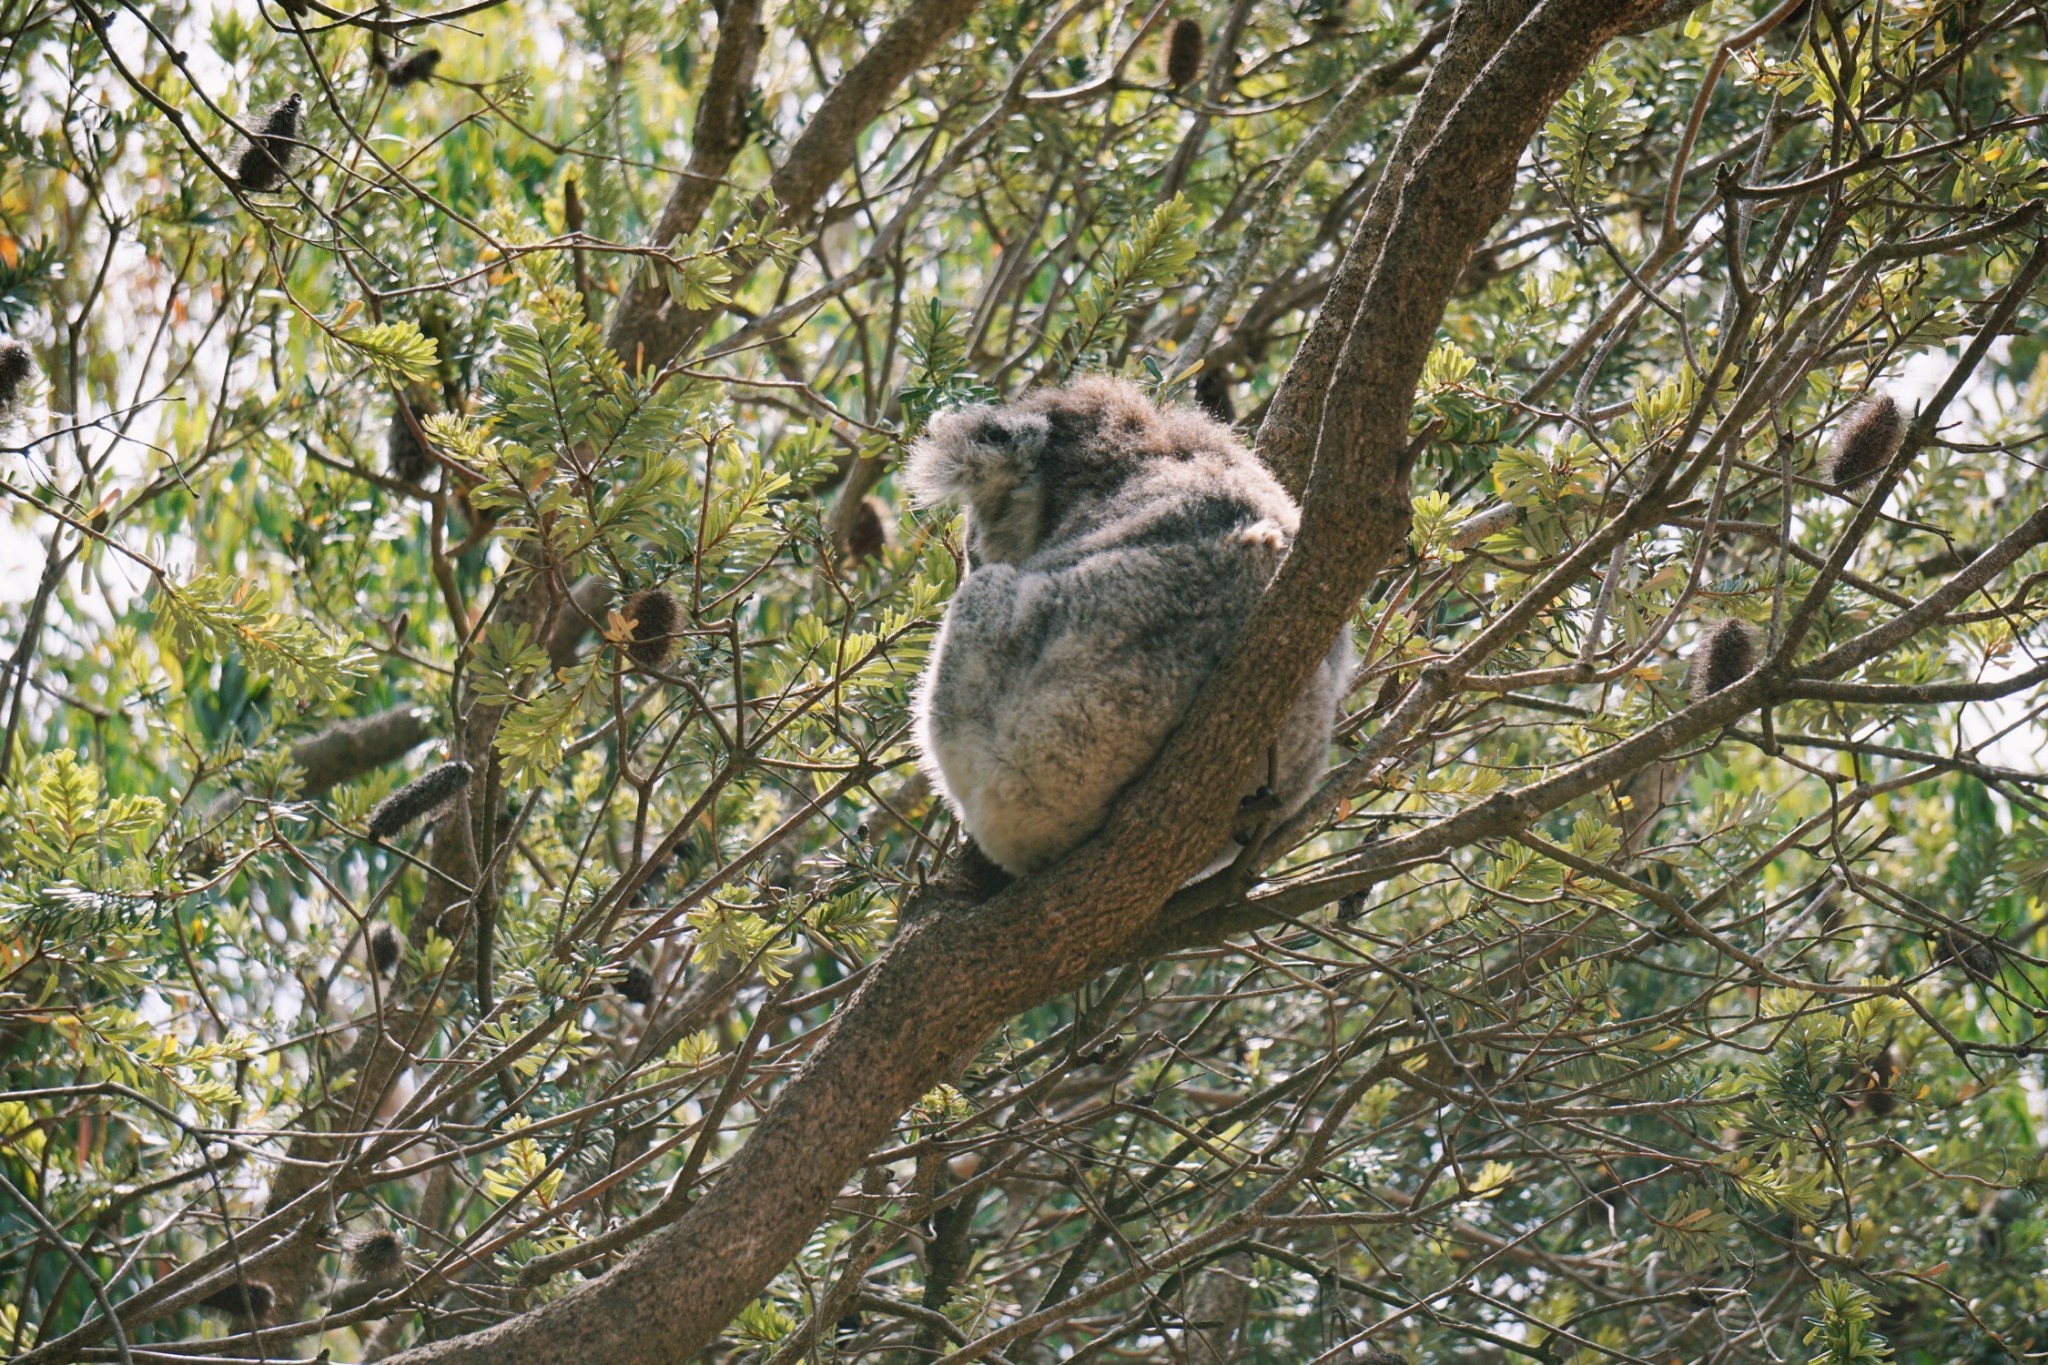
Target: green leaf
[399, 351]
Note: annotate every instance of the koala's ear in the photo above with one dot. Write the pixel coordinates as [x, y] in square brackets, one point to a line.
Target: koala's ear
[971, 455]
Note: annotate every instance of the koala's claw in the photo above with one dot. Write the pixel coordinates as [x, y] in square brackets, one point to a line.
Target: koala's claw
[1252, 812]
[1260, 802]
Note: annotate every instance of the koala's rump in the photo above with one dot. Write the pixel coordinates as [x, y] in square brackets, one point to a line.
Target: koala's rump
[1052, 690]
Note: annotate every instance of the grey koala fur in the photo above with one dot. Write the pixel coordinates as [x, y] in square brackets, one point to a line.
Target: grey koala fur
[1115, 549]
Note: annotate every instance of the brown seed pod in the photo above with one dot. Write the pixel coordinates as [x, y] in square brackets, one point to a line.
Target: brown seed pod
[1184, 52]
[1864, 443]
[655, 614]
[1869, 1086]
[241, 1299]
[1725, 655]
[1212, 395]
[404, 457]
[385, 949]
[869, 534]
[268, 155]
[637, 985]
[400, 73]
[1975, 956]
[416, 800]
[376, 1255]
[16, 365]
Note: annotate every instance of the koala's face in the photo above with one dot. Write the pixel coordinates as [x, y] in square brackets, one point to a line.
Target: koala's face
[1006, 517]
[1025, 470]
[990, 460]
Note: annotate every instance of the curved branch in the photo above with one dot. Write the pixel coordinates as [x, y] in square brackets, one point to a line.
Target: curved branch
[650, 330]
[955, 972]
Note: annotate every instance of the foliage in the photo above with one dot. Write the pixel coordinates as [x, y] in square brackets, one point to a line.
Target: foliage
[1735, 1055]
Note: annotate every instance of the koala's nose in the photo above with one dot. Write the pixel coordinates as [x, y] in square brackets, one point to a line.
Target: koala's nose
[993, 433]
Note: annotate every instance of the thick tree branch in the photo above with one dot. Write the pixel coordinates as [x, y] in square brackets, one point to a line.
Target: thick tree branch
[719, 134]
[649, 330]
[955, 972]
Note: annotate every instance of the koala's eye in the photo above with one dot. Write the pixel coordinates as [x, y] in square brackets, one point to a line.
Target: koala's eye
[992, 434]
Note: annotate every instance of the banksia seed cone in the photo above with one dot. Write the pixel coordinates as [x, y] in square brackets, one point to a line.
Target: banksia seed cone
[1184, 53]
[1971, 953]
[1724, 656]
[268, 156]
[1869, 1087]
[637, 985]
[655, 614]
[414, 69]
[419, 798]
[384, 948]
[869, 535]
[16, 365]
[404, 456]
[376, 1255]
[243, 1299]
[1864, 443]
[1212, 395]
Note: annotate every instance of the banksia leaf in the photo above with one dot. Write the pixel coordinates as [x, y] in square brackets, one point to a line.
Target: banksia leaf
[243, 1299]
[16, 365]
[412, 70]
[376, 1255]
[425, 795]
[399, 350]
[264, 161]
[655, 614]
[1184, 51]
[385, 948]
[1724, 656]
[1864, 443]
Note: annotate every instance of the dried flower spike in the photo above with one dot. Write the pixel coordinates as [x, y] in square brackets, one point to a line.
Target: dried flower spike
[1184, 51]
[384, 949]
[655, 614]
[1212, 395]
[404, 456]
[419, 798]
[869, 534]
[1967, 951]
[1864, 443]
[376, 1255]
[1724, 656]
[263, 163]
[16, 365]
[242, 1299]
[414, 69]
[637, 985]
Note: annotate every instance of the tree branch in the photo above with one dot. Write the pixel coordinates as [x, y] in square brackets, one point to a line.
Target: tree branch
[955, 971]
[650, 330]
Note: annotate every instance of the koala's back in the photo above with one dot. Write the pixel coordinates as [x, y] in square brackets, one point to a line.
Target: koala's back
[1057, 678]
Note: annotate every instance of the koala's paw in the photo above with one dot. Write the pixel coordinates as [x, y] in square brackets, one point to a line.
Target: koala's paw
[1264, 534]
[1252, 811]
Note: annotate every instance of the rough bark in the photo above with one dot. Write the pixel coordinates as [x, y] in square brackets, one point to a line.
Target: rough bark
[716, 138]
[649, 330]
[955, 972]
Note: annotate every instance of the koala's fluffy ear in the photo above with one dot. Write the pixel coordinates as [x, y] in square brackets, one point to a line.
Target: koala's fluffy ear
[973, 455]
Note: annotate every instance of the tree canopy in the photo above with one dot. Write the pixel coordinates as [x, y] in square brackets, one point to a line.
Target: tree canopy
[466, 891]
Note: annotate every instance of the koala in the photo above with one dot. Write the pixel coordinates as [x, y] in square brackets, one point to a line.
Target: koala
[1115, 548]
